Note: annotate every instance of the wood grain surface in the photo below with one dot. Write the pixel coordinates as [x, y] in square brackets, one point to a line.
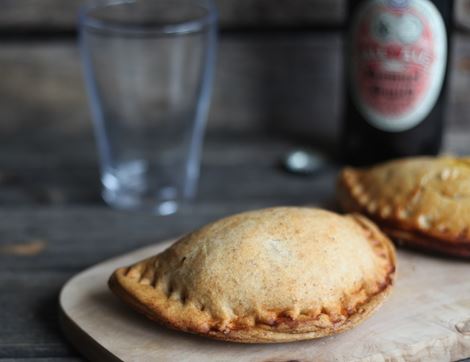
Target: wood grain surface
[261, 81]
[79, 234]
[283, 83]
[61, 15]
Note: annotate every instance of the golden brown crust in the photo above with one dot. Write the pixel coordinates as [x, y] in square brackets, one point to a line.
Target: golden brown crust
[167, 288]
[421, 202]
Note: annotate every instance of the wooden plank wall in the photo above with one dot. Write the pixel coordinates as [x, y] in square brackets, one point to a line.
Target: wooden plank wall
[279, 68]
[62, 15]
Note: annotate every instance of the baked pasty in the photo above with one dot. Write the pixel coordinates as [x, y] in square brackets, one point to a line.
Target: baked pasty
[273, 275]
[422, 202]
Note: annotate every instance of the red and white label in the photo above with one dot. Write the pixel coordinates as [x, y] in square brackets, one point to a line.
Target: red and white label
[399, 55]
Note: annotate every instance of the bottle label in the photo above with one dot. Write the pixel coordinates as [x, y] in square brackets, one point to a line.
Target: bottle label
[398, 63]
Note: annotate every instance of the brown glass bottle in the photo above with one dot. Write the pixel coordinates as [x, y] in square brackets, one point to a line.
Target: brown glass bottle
[396, 65]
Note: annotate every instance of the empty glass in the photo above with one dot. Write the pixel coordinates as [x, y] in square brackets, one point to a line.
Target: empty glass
[148, 66]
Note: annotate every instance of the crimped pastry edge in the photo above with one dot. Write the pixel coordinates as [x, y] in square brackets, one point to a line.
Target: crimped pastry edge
[402, 233]
[254, 334]
[124, 288]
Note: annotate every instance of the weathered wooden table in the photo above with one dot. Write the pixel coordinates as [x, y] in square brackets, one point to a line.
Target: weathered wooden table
[274, 90]
[42, 246]
[45, 242]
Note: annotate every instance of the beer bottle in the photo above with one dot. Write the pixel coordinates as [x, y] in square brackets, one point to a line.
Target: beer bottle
[396, 62]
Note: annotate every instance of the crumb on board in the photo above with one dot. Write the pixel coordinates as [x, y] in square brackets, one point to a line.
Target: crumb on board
[29, 248]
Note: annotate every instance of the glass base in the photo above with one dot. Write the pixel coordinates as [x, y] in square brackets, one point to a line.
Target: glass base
[128, 187]
[126, 201]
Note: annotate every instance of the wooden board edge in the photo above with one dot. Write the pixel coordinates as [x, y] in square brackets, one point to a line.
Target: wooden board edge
[92, 350]
[83, 343]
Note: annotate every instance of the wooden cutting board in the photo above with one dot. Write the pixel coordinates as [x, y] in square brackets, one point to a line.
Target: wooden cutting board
[427, 318]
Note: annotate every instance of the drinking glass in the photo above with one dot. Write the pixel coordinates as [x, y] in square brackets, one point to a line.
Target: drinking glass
[148, 67]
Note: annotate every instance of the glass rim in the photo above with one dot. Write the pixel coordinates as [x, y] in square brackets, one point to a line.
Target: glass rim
[176, 28]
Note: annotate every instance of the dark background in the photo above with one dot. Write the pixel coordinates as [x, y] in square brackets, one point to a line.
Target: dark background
[279, 75]
[278, 85]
